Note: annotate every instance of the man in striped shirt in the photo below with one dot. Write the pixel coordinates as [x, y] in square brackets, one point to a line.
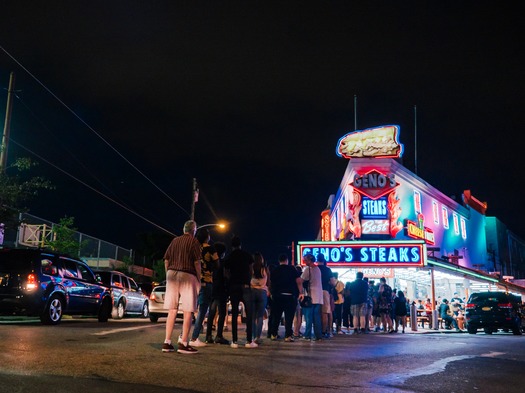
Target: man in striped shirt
[183, 275]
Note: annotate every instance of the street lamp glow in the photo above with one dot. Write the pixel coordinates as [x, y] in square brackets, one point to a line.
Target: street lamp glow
[220, 225]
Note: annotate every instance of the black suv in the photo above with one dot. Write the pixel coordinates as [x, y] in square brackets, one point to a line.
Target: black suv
[46, 284]
[127, 295]
[492, 311]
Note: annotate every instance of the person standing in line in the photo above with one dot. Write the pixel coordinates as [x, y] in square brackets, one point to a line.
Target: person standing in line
[298, 317]
[338, 289]
[400, 311]
[359, 302]
[369, 320]
[285, 288]
[209, 260]
[219, 302]
[385, 305]
[348, 320]
[182, 261]
[240, 266]
[326, 310]
[259, 284]
[314, 289]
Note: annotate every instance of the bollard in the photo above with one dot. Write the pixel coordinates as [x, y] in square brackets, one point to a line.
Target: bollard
[435, 320]
[413, 317]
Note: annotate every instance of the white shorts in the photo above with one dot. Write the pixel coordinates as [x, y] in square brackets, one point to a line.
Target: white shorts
[182, 291]
[325, 308]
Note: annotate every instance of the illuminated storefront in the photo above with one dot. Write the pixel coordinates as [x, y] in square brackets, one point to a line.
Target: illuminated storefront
[385, 219]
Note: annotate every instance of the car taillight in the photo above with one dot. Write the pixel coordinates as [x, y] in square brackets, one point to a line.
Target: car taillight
[31, 282]
[470, 306]
[505, 305]
[152, 296]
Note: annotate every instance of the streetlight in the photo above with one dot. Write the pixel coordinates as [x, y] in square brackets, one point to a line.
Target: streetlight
[220, 225]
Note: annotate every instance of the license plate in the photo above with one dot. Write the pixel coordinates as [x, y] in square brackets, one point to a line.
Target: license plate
[486, 308]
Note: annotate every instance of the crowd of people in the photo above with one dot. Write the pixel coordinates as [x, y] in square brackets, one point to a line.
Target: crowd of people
[203, 279]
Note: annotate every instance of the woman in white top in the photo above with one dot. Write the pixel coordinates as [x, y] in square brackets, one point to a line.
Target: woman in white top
[314, 289]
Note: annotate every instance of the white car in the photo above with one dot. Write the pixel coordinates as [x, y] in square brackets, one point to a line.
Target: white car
[156, 303]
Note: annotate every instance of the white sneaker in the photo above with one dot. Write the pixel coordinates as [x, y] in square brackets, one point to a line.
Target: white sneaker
[197, 343]
[234, 345]
[179, 341]
[252, 344]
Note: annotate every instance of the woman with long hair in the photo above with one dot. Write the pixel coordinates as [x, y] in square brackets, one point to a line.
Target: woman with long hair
[259, 284]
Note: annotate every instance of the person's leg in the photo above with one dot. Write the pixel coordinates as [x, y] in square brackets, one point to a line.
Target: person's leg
[171, 302]
[235, 315]
[277, 312]
[260, 314]
[356, 317]
[222, 309]
[170, 324]
[337, 317]
[297, 320]
[308, 320]
[316, 316]
[289, 311]
[362, 316]
[248, 306]
[203, 302]
[186, 326]
[211, 317]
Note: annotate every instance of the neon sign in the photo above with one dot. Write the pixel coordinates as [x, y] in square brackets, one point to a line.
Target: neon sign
[379, 142]
[374, 184]
[416, 231]
[368, 253]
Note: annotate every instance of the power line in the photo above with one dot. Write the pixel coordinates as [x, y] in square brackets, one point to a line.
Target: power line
[91, 128]
[92, 188]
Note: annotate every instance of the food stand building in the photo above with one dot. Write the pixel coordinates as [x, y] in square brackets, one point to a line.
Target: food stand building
[386, 221]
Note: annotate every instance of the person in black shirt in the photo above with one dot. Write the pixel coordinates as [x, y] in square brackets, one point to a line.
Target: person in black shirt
[219, 299]
[286, 284]
[240, 267]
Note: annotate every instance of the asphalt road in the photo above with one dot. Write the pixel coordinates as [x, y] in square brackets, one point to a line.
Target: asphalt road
[125, 356]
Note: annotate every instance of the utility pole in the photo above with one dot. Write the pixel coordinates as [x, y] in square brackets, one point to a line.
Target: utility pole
[7, 124]
[194, 198]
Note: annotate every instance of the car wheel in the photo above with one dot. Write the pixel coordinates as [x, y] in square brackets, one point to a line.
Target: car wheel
[145, 310]
[105, 310]
[119, 314]
[53, 312]
[487, 330]
[153, 317]
[472, 330]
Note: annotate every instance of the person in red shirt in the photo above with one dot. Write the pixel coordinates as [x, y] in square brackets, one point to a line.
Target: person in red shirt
[183, 275]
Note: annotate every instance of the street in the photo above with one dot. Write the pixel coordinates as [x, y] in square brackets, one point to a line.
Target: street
[125, 356]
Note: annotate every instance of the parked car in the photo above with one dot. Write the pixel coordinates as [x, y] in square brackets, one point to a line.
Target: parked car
[128, 298]
[156, 303]
[492, 311]
[49, 285]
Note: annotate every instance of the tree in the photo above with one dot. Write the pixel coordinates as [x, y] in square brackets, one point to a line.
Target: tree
[15, 192]
[159, 270]
[64, 238]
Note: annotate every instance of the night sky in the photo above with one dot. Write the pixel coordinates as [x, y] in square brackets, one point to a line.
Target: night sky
[136, 98]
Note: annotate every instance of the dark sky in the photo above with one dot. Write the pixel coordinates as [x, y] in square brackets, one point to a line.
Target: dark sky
[250, 99]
